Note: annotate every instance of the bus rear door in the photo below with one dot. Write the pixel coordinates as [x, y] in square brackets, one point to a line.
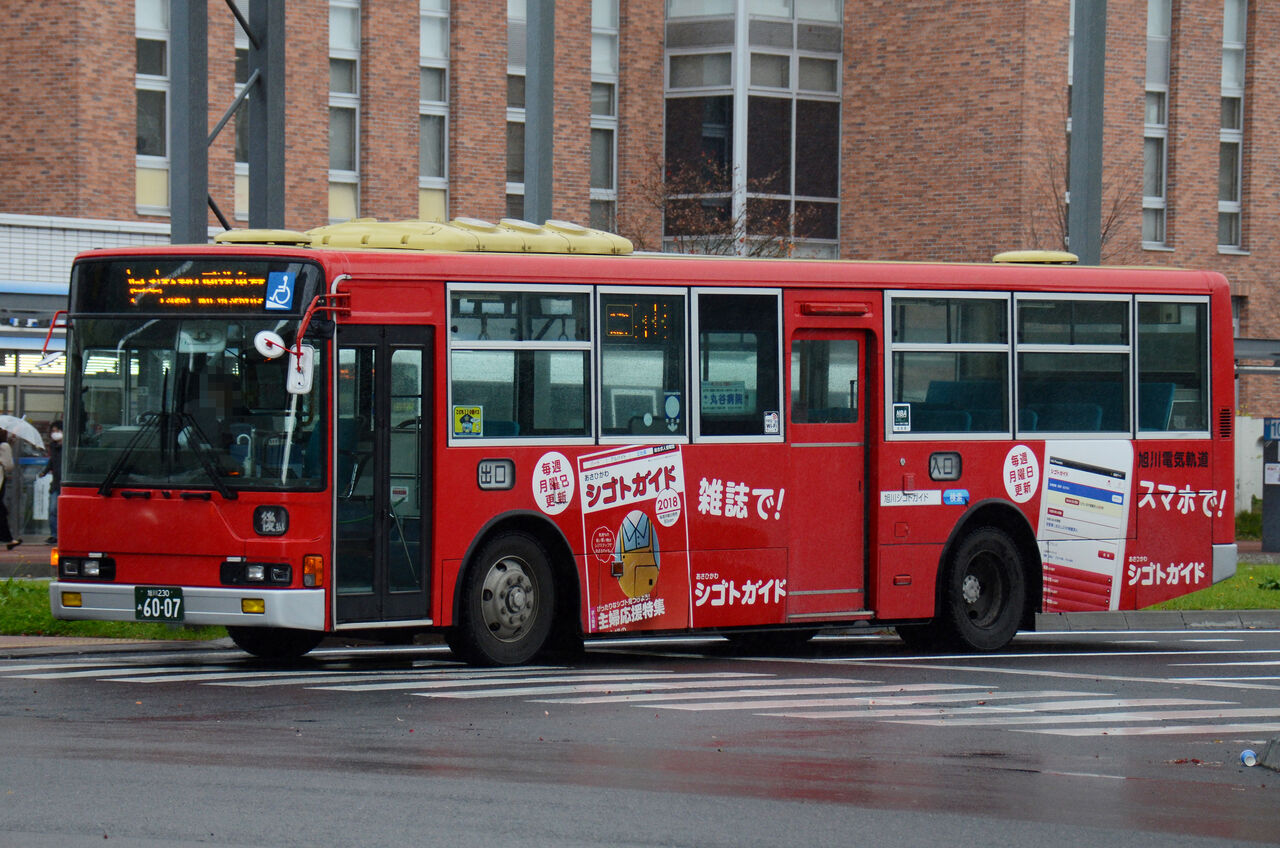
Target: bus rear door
[826, 570]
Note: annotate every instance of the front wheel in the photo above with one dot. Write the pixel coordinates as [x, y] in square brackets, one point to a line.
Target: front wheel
[507, 603]
[274, 643]
[985, 591]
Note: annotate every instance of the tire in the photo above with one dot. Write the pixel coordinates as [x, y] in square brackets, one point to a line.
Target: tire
[274, 643]
[985, 592]
[507, 603]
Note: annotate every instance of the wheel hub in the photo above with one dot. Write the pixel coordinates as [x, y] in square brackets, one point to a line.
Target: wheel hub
[971, 589]
[509, 599]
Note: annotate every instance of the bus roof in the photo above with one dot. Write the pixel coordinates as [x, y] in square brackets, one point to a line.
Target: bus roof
[560, 253]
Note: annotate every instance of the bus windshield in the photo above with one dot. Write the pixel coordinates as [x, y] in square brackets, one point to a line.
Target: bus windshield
[188, 403]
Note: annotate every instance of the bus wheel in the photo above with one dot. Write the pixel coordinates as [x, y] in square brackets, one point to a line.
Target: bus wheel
[985, 591]
[508, 599]
[274, 643]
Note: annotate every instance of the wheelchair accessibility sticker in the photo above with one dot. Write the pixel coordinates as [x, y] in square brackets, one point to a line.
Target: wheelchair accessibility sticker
[279, 291]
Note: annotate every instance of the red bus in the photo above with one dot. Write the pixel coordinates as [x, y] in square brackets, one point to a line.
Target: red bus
[523, 436]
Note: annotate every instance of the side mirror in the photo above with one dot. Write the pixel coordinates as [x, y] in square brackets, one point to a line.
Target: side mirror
[302, 366]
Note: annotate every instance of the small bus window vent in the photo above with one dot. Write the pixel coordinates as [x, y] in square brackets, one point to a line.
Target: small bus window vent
[1225, 422]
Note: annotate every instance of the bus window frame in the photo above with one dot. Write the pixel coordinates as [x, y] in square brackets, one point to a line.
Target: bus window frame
[1129, 350]
[452, 345]
[892, 348]
[695, 357]
[597, 400]
[1198, 299]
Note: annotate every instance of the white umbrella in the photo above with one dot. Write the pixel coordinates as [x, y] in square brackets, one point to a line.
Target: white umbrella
[22, 428]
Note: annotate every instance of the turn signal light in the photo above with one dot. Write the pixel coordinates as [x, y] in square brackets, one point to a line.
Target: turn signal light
[313, 570]
[253, 606]
[72, 599]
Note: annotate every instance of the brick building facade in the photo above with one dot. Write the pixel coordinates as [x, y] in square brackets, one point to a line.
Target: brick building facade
[951, 137]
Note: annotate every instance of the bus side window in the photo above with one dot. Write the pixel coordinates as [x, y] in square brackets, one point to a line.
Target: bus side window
[824, 381]
[1173, 366]
[739, 376]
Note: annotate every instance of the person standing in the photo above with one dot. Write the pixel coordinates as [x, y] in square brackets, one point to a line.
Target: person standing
[54, 471]
[6, 471]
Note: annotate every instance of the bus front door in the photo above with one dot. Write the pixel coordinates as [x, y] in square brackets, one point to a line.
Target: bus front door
[382, 473]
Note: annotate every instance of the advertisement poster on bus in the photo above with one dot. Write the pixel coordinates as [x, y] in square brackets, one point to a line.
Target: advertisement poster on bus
[635, 532]
[1085, 500]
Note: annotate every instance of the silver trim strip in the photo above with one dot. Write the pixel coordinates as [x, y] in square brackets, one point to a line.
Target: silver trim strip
[302, 609]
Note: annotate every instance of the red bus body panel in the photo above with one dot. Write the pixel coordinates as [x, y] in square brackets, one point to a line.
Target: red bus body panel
[741, 534]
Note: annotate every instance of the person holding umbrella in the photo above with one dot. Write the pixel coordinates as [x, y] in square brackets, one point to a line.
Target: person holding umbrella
[6, 471]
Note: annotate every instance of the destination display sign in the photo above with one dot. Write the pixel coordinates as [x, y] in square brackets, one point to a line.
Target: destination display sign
[155, 284]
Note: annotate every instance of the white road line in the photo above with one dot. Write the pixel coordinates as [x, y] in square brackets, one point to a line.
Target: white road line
[11, 670]
[876, 713]
[1109, 703]
[1226, 664]
[1047, 655]
[798, 687]
[279, 677]
[1058, 675]
[571, 688]
[617, 678]
[1094, 718]
[112, 672]
[890, 700]
[1213, 730]
[1222, 679]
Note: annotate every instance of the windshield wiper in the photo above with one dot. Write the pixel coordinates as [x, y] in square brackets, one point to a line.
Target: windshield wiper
[200, 446]
[148, 420]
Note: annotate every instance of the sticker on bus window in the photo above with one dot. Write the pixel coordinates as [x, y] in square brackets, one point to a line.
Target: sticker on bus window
[279, 291]
[902, 418]
[724, 397]
[468, 421]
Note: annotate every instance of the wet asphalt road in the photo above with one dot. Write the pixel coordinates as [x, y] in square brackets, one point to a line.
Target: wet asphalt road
[1064, 739]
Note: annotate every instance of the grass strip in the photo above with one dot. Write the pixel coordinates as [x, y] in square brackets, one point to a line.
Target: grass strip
[24, 611]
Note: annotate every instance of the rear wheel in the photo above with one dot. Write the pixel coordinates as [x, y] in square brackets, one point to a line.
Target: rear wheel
[274, 643]
[985, 591]
[507, 603]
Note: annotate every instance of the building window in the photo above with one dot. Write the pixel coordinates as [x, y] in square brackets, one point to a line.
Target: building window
[753, 127]
[151, 83]
[1231, 135]
[344, 109]
[604, 114]
[240, 123]
[433, 110]
[517, 33]
[1155, 147]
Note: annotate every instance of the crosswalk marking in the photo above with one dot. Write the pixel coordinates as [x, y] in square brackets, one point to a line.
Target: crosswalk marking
[604, 680]
[1083, 702]
[1059, 712]
[767, 688]
[866, 701]
[1093, 718]
[1157, 730]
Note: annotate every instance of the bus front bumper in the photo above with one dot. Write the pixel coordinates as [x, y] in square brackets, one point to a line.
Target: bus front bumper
[302, 609]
